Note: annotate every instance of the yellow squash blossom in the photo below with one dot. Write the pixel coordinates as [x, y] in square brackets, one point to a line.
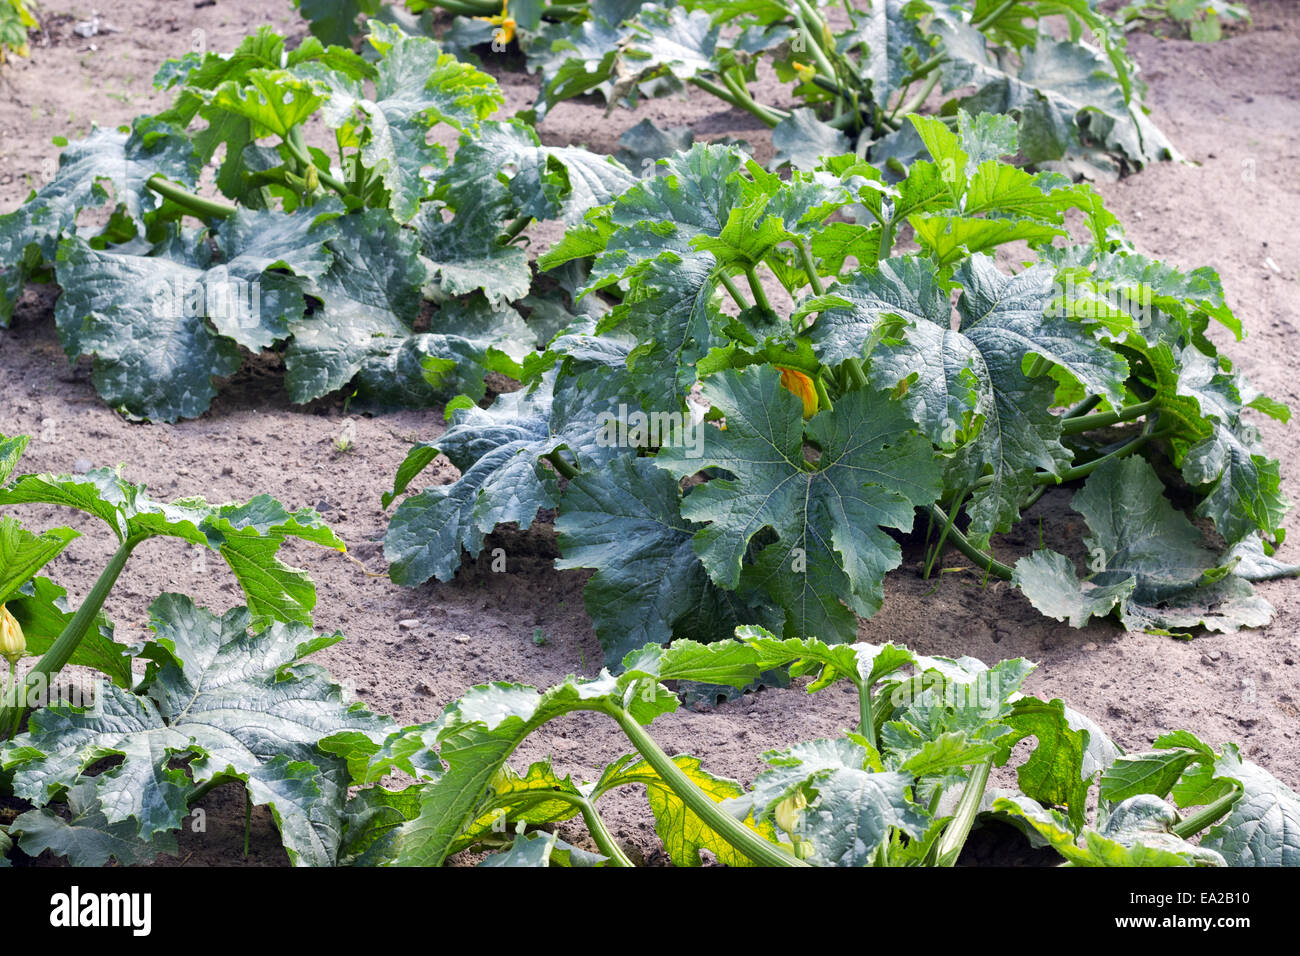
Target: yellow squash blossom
[13, 646]
[504, 22]
[801, 385]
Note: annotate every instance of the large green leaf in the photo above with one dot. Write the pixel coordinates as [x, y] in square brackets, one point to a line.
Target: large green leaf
[974, 374]
[625, 522]
[369, 300]
[248, 536]
[498, 451]
[416, 86]
[226, 702]
[41, 608]
[23, 553]
[1263, 826]
[85, 836]
[851, 810]
[872, 472]
[1146, 557]
[1141, 835]
[30, 235]
[478, 732]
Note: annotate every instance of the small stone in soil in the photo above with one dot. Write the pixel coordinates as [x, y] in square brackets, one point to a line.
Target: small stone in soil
[409, 624]
[82, 465]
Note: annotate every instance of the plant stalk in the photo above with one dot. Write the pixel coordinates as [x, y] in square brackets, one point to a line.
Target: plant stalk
[809, 266]
[204, 209]
[756, 287]
[299, 150]
[733, 290]
[604, 839]
[595, 825]
[1207, 815]
[918, 98]
[985, 562]
[65, 645]
[562, 466]
[949, 845]
[769, 116]
[994, 14]
[866, 719]
[858, 377]
[754, 846]
[1085, 423]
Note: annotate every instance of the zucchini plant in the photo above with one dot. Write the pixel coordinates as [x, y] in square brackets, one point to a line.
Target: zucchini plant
[16, 19]
[720, 456]
[904, 787]
[1203, 20]
[223, 698]
[387, 270]
[855, 69]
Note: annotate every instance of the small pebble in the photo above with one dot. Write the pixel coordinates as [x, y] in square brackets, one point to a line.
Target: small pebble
[82, 465]
[409, 624]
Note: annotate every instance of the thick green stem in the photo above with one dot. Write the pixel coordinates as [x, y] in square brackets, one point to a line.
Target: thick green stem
[61, 651]
[918, 99]
[758, 849]
[1207, 815]
[856, 375]
[733, 290]
[204, 209]
[813, 24]
[924, 68]
[993, 15]
[886, 240]
[809, 265]
[949, 846]
[1084, 407]
[595, 825]
[985, 562]
[767, 115]
[604, 839]
[823, 396]
[1086, 423]
[470, 8]
[943, 534]
[515, 228]
[756, 287]
[562, 466]
[298, 147]
[1087, 468]
[866, 719]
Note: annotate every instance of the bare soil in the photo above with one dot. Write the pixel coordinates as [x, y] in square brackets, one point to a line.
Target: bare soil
[1231, 107]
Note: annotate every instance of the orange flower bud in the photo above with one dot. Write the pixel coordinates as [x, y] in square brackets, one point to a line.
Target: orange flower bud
[800, 384]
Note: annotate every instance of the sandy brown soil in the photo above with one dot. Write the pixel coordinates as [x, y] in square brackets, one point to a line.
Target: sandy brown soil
[1231, 108]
